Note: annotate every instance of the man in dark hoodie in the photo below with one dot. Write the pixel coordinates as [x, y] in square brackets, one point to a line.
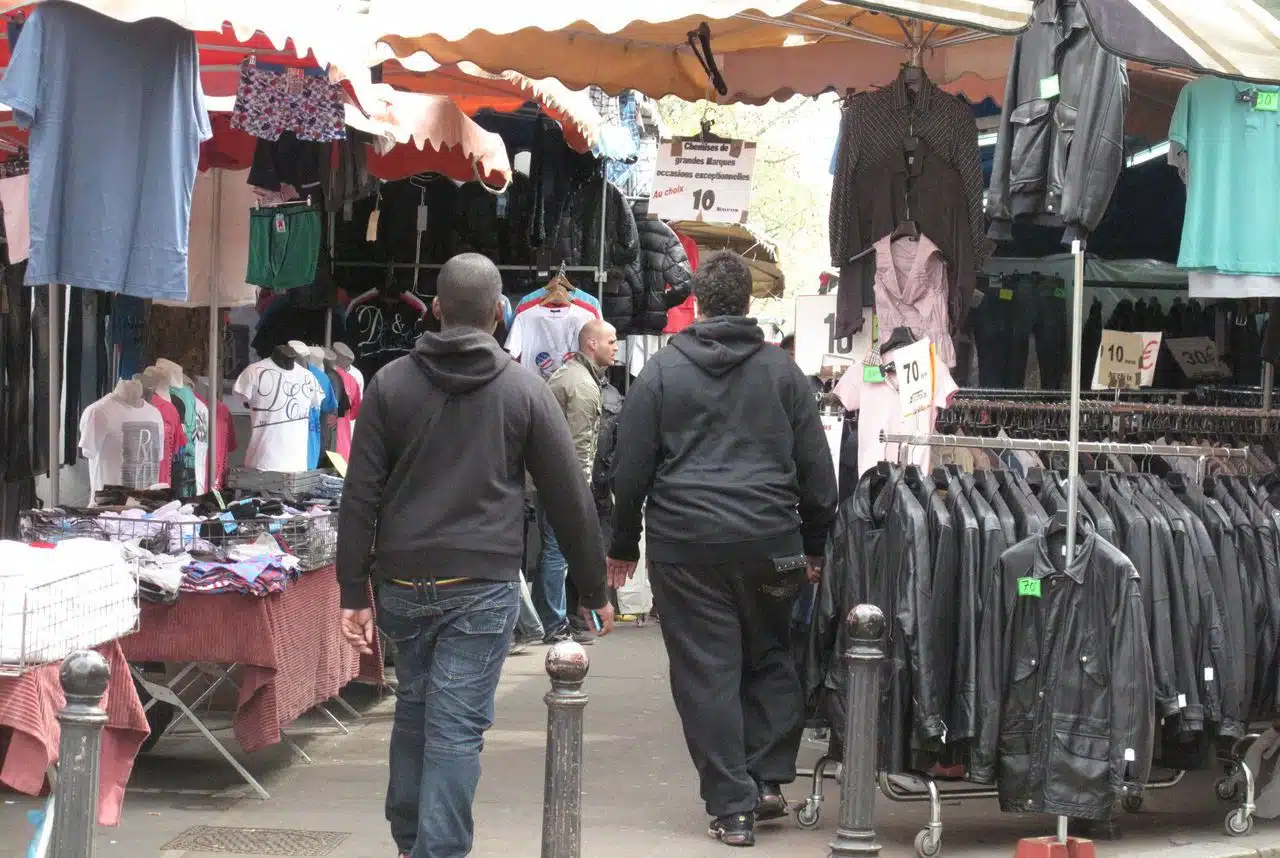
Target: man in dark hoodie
[433, 507]
[722, 437]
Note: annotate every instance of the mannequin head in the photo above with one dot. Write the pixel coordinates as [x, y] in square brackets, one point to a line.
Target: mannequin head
[156, 381]
[129, 391]
[172, 370]
[300, 350]
[315, 356]
[344, 355]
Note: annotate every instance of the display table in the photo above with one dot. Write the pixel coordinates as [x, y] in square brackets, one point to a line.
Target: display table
[29, 707]
[284, 652]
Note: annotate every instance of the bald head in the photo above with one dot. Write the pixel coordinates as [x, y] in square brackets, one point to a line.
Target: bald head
[598, 342]
[468, 293]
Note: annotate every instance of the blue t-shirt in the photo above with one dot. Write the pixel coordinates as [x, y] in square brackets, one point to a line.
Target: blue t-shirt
[328, 406]
[117, 115]
[1233, 154]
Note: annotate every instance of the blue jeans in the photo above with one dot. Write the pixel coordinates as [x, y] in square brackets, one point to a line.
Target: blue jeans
[449, 655]
[548, 585]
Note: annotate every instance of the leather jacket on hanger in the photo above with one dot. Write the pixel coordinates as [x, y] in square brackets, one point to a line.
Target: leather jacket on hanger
[1061, 139]
[1065, 680]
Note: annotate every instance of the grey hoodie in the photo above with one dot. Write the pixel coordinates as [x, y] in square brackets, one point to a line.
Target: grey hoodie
[722, 436]
[456, 509]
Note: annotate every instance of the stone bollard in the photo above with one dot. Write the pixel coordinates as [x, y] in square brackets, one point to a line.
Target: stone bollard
[84, 677]
[567, 665]
[856, 835]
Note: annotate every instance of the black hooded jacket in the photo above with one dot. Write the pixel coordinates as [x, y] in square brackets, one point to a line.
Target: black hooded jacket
[663, 263]
[435, 486]
[721, 435]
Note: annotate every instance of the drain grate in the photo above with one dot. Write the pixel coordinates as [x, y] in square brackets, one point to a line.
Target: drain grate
[257, 841]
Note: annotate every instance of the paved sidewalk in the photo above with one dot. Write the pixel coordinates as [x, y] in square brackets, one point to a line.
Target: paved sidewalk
[641, 794]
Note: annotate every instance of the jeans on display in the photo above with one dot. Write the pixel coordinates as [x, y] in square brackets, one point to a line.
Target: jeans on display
[549, 595]
[450, 648]
[1001, 332]
[1049, 326]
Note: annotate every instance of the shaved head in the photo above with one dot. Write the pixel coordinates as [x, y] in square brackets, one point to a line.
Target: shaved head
[468, 293]
[598, 342]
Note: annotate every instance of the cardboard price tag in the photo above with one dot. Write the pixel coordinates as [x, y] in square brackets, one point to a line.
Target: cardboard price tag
[1198, 358]
[1029, 587]
[1120, 359]
[913, 365]
[1267, 100]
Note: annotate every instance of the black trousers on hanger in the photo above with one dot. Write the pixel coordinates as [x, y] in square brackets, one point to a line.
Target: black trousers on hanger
[733, 676]
[15, 351]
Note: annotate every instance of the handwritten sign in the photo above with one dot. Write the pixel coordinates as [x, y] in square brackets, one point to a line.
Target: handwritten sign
[1029, 587]
[703, 180]
[1119, 362]
[913, 365]
[1198, 358]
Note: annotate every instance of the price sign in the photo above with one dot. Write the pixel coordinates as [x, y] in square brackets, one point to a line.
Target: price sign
[1267, 100]
[1120, 360]
[703, 180]
[816, 333]
[1029, 587]
[913, 366]
[1199, 359]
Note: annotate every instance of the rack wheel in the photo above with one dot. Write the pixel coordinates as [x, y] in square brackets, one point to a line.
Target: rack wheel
[1131, 803]
[1238, 824]
[927, 846]
[1228, 789]
[808, 814]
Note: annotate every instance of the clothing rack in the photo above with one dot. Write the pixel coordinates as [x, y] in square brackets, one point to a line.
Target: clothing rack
[433, 266]
[1108, 407]
[1047, 446]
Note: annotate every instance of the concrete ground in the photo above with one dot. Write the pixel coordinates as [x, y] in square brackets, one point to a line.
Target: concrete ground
[641, 795]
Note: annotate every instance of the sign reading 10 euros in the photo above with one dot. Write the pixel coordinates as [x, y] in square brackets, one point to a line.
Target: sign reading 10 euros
[703, 180]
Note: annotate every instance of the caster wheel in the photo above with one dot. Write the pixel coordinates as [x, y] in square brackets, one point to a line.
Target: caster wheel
[1228, 789]
[808, 815]
[1132, 803]
[1237, 824]
[926, 846]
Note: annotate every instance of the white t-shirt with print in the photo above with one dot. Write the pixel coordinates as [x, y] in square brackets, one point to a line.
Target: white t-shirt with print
[880, 410]
[544, 336]
[280, 403]
[200, 444]
[124, 443]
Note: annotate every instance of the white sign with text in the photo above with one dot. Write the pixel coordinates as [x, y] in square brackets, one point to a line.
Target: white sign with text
[913, 366]
[816, 337]
[703, 180]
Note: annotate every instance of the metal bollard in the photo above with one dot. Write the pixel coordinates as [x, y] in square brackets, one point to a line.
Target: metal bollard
[856, 835]
[84, 677]
[567, 665]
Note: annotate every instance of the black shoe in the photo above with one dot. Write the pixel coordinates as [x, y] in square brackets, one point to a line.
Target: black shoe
[566, 633]
[736, 829]
[772, 803]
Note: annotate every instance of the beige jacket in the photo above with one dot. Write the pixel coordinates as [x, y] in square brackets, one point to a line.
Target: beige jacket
[576, 386]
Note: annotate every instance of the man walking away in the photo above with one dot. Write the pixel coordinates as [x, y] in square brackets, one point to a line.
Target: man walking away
[722, 437]
[433, 507]
[577, 388]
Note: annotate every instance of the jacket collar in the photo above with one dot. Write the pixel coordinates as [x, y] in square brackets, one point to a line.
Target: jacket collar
[596, 373]
[903, 99]
[1063, 13]
[1074, 570]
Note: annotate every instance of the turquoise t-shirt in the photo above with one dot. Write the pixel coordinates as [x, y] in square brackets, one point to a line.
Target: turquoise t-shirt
[1232, 223]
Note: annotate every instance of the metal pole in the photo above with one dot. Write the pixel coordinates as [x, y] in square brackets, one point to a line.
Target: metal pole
[1073, 430]
[567, 665]
[215, 330]
[602, 275]
[84, 677]
[1268, 388]
[55, 391]
[856, 835]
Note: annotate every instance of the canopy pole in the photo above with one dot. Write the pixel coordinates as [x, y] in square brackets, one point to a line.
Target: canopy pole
[215, 333]
[328, 316]
[55, 391]
[1268, 389]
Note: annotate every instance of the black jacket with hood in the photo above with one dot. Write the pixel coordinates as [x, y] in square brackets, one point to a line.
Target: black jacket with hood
[663, 263]
[721, 435]
[425, 501]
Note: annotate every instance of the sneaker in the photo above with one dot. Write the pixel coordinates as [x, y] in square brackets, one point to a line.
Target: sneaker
[772, 803]
[736, 829]
[566, 633]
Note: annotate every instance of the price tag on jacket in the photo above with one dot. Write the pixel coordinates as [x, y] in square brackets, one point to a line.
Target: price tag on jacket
[1267, 100]
[1198, 358]
[1050, 87]
[1029, 587]
[1120, 360]
[913, 366]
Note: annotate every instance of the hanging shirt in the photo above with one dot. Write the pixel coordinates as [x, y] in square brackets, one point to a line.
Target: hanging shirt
[225, 445]
[911, 292]
[110, 208]
[347, 422]
[381, 329]
[280, 402]
[195, 453]
[175, 437]
[123, 442]
[880, 410]
[227, 253]
[577, 296]
[1233, 170]
[328, 405]
[543, 336]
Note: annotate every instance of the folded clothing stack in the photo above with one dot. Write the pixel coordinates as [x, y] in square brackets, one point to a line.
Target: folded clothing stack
[242, 571]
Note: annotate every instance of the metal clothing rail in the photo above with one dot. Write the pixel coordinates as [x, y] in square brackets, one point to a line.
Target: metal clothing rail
[432, 266]
[1107, 407]
[1047, 446]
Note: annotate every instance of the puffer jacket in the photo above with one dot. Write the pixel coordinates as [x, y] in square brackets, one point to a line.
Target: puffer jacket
[663, 264]
[1061, 140]
[577, 242]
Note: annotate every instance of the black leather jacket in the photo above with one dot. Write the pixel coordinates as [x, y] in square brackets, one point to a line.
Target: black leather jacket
[1065, 681]
[1057, 158]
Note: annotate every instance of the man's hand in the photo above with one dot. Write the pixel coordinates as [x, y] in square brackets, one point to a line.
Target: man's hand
[357, 628]
[605, 615]
[814, 573]
[620, 571]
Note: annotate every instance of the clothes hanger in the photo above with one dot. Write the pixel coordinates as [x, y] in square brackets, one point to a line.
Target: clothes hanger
[559, 290]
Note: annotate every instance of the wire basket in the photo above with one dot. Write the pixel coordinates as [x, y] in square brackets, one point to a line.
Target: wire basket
[57, 525]
[46, 615]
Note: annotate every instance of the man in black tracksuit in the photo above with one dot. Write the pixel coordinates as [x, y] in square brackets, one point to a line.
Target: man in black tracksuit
[721, 436]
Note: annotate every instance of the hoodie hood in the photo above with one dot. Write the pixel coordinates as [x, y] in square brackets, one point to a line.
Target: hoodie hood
[719, 345]
[459, 360]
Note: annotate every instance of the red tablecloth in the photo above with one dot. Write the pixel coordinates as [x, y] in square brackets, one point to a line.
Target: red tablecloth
[289, 645]
[29, 707]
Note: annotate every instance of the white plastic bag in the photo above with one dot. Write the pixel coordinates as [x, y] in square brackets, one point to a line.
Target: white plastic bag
[635, 596]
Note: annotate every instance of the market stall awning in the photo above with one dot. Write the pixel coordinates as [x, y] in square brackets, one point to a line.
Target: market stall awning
[762, 50]
[761, 254]
[473, 89]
